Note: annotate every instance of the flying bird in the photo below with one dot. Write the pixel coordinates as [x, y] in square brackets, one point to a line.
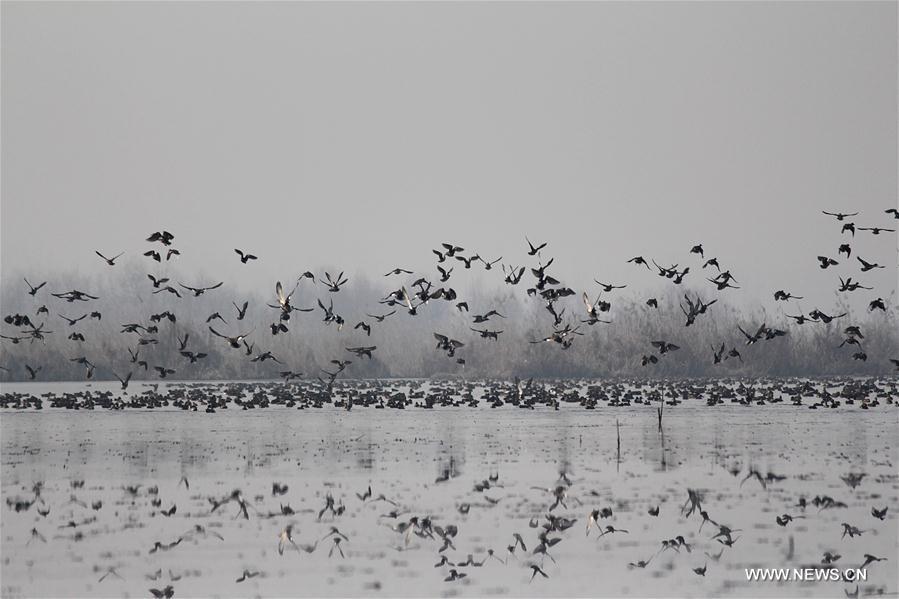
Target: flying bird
[245, 257]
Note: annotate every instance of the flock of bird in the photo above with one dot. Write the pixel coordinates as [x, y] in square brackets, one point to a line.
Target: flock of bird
[695, 527]
[865, 394]
[410, 298]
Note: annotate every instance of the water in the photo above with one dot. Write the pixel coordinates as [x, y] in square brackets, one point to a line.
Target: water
[401, 453]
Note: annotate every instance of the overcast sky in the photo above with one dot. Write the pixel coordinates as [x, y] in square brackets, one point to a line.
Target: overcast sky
[359, 136]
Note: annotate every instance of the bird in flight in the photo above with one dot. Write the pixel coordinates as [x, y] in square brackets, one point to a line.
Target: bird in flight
[232, 341]
[164, 237]
[839, 215]
[110, 261]
[534, 250]
[335, 283]
[398, 271]
[825, 262]
[608, 287]
[198, 291]
[244, 256]
[32, 290]
[877, 230]
[866, 266]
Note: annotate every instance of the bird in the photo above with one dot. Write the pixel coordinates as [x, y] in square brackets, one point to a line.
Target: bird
[664, 347]
[123, 381]
[215, 316]
[362, 351]
[245, 257]
[722, 284]
[869, 559]
[839, 215]
[750, 339]
[535, 569]
[110, 261]
[468, 261]
[73, 321]
[514, 274]
[75, 296]
[488, 265]
[821, 316]
[532, 249]
[335, 283]
[487, 334]
[163, 372]
[157, 282]
[640, 260]
[32, 289]
[825, 262]
[247, 574]
[163, 237]
[284, 301]
[232, 341]
[241, 310]
[454, 575]
[877, 304]
[479, 318]
[406, 300]
[285, 537]
[266, 356]
[193, 357]
[650, 359]
[166, 593]
[168, 289]
[850, 530]
[365, 495]
[711, 262]
[452, 249]
[784, 296]
[198, 291]
[380, 318]
[608, 287]
[866, 266]
[592, 316]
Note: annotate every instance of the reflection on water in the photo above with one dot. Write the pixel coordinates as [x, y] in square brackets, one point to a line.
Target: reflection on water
[403, 455]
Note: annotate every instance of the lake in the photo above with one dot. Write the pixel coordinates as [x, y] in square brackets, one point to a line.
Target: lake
[489, 472]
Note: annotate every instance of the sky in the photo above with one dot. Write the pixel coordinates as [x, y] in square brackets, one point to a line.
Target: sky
[358, 136]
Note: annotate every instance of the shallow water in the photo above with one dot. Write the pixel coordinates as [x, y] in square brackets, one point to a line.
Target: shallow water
[401, 453]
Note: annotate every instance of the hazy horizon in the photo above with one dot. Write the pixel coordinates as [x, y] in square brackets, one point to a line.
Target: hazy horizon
[360, 136]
